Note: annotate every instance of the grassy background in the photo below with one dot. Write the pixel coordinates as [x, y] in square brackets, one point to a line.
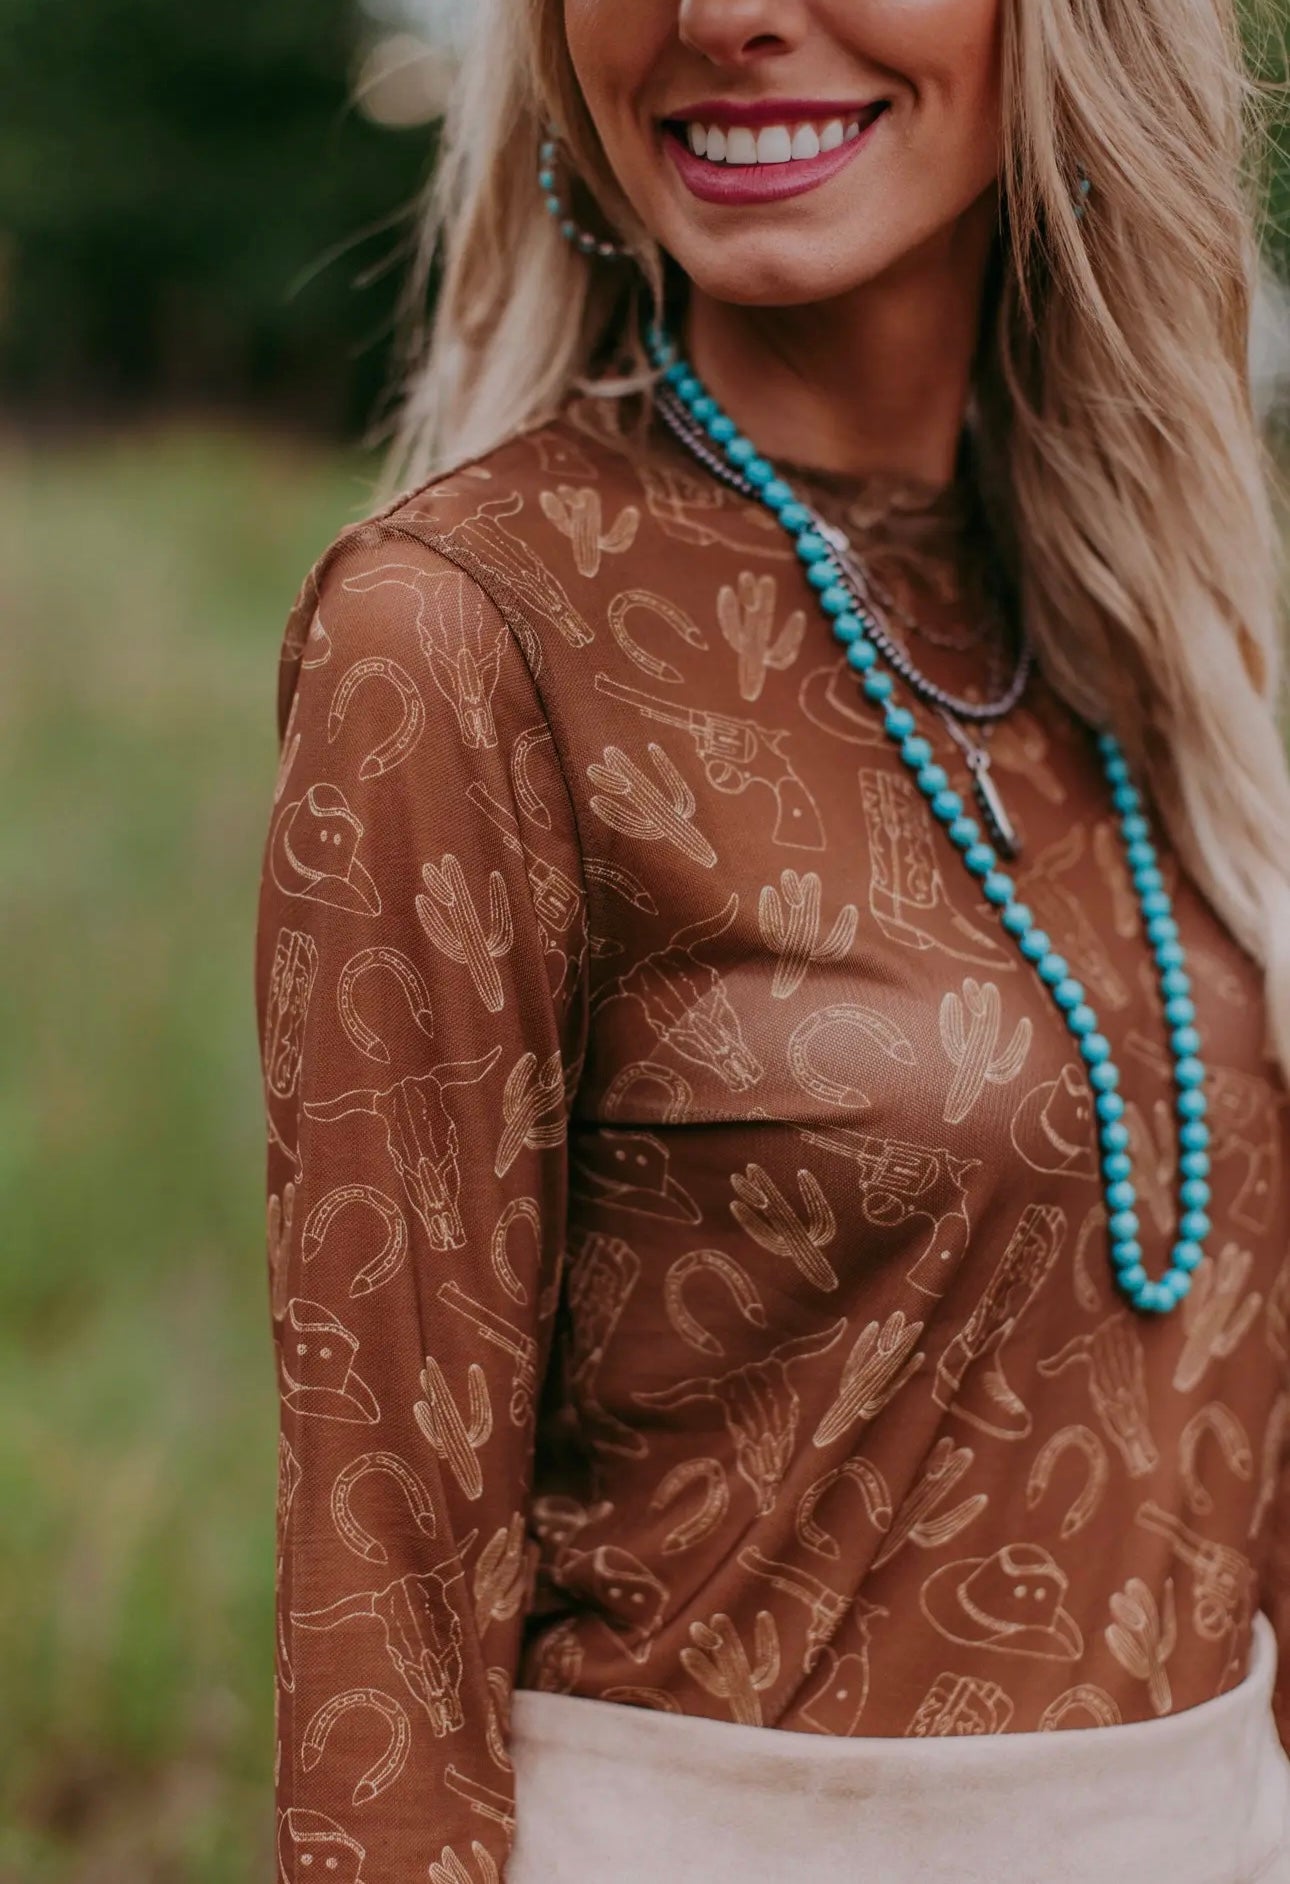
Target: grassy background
[143, 587]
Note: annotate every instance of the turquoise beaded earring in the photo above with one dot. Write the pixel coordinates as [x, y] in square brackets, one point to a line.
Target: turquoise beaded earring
[549, 183]
[1082, 188]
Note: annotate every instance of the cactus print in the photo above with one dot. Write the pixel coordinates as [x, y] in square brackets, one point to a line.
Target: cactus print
[686, 1253]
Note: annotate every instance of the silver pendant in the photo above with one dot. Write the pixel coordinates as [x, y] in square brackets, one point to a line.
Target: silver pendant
[1002, 831]
[999, 824]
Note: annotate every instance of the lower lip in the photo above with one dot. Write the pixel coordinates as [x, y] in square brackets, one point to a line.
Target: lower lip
[736, 184]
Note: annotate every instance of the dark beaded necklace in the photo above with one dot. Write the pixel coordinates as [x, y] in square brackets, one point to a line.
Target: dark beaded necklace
[957, 713]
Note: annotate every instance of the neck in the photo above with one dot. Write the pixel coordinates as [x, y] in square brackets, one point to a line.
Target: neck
[873, 380]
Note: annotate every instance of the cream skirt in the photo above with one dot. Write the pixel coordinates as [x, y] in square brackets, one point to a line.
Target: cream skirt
[608, 1794]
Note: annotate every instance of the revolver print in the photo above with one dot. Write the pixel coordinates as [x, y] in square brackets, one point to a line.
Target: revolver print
[495, 1329]
[900, 1183]
[736, 753]
[1224, 1587]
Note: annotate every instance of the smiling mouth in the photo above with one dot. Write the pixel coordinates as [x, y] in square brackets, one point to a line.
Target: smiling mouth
[729, 138]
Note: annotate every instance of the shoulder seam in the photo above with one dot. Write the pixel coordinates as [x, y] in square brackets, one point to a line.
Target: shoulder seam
[429, 538]
[430, 541]
[426, 539]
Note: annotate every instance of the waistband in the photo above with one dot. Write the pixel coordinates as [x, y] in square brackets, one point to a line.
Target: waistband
[609, 1792]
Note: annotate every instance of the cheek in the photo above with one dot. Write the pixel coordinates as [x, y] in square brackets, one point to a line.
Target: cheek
[947, 51]
[946, 56]
[613, 48]
[617, 49]
[972, 30]
[586, 32]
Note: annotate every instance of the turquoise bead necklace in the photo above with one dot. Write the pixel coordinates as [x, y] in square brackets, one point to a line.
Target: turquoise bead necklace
[850, 620]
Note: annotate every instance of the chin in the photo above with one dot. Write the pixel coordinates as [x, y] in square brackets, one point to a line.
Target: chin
[772, 275]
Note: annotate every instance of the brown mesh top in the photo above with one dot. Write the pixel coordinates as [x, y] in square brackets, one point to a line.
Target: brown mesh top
[689, 1265]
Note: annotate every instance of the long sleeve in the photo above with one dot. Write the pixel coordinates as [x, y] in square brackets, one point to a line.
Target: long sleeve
[421, 1006]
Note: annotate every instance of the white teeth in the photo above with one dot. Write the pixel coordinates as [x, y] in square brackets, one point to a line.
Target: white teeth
[774, 145]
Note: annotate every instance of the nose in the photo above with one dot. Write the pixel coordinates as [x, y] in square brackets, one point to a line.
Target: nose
[740, 32]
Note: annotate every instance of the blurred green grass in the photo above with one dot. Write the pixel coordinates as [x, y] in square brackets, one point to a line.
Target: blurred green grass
[144, 582]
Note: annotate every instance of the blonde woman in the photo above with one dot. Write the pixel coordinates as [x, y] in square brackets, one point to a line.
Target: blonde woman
[773, 981]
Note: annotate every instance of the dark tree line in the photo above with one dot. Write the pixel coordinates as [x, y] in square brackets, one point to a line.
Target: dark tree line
[176, 181]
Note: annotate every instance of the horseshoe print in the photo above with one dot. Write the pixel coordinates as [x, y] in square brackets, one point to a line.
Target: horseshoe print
[394, 750]
[409, 978]
[390, 1258]
[1094, 1703]
[717, 1263]
[873, 1492]
[317, 650]
[527, 797]
[1098, 1471]
[420, 1503]
[676, 618]
[522, 1210]
[866, 1021]
[382, 1772]
[678, 1094]
[716, 1501]
[1232, 1442]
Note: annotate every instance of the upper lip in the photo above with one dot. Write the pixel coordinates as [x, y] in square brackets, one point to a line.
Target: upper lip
[770, 111]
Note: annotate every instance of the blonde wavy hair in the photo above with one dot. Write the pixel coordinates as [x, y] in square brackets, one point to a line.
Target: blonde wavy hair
[1127, 478]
